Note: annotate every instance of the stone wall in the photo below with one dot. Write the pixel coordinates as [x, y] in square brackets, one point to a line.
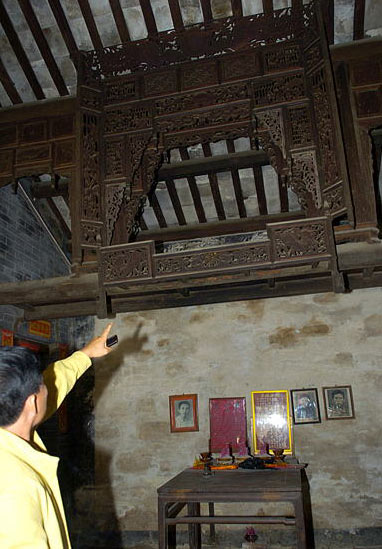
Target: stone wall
[228, 350]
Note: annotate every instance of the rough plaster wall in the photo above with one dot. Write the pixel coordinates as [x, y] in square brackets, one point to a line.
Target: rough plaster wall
[232, 349]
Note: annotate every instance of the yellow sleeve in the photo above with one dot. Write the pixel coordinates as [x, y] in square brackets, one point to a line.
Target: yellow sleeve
[61, 376]
[21, 524]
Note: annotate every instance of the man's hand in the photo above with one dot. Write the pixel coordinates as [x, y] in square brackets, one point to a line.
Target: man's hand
[97, 346]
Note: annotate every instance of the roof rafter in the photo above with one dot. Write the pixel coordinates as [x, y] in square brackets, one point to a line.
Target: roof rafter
[120, 20]
[149, 18]
[236, 182]
[9, 86]
[20, 53]
[175, 202]
[215, 186]
[43, 46]
[65, 30]
[194, 189]
[90, 24]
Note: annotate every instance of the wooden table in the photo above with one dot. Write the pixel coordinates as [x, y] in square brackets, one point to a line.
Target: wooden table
[191, 488]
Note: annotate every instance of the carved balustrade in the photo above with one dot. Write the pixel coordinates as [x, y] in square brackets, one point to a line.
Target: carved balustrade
[303, 242]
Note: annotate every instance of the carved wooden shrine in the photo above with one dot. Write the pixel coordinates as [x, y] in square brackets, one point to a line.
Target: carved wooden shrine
[266, 77]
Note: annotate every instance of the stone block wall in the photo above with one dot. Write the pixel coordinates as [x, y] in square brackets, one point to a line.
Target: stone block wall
[227, 350]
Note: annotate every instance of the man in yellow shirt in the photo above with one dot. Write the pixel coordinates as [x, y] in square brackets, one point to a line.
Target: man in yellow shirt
[31, 510]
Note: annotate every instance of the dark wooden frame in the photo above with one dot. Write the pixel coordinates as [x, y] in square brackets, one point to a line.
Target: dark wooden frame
[348, 396]
[294, 394]
[173, 399]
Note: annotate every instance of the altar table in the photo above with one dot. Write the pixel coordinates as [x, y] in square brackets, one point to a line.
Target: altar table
[191, 488]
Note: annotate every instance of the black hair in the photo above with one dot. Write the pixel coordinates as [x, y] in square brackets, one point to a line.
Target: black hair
[184, 402]
[338, 392]
[20, 377]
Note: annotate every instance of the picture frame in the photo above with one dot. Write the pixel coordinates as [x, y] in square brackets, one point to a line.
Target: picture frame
[183, 413]
[271, 422]
[228, 424]
[338, 402]
[305, 406]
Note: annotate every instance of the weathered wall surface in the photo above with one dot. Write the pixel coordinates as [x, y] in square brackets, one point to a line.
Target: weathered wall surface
[232, 349]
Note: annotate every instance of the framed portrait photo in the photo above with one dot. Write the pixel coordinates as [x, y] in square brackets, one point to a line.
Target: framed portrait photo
[183, 413]
[305, 406]
[338, 402]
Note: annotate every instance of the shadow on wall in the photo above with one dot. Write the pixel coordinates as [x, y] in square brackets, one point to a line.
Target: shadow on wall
[96, 519]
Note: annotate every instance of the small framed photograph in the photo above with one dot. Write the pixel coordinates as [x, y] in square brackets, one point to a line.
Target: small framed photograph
[338, 402]
[183, 413]
[305, 406]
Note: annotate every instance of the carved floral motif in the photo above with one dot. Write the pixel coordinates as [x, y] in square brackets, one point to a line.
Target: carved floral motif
[305, 181]
[298, 241]
[242, 255]
[126, 264]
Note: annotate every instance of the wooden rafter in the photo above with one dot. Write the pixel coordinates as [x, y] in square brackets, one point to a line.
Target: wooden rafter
[176, 15]
[175, 202]
[19, 52]
[237, 8]
[215, 186]
[283, 192]
[328, 11]
[65, 30]
[194, 189]
[215, 228]
[90, 24]
[237, 183]
[43, 46]
[268, 6]
[260, 191]
[149, 17]
[157, 211]
[9, 86]
[120, 20]
[359, 19]
[207, 11]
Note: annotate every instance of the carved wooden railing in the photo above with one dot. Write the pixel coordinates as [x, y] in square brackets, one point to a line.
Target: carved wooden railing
[294, 243]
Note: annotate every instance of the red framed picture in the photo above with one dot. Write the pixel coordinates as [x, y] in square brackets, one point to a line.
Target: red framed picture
[183, 413]
[228, 424]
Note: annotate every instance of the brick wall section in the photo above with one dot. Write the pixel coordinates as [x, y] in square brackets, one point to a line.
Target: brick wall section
[27, 253]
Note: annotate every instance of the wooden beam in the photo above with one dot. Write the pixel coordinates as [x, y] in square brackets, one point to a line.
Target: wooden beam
[65, 29]
[236, 182]
[361, 50]
[328, 13]
[260, 191]
[43, 46]
[90, 24]
[176, 15]
[175, 202]
[237, 8]
[63, 289]
[58, 106]
[283, 193]
[216, 228]
[19, 52]
[268, 6]
[207, 11]
[194, 189]
[216, 164]
[9, 86]
[149, 17]
[157, 211]
[359, 19]
[214, 184]
[67, 310]
[120, 20]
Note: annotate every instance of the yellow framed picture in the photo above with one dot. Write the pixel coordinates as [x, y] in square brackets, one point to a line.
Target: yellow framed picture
[271, 422]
